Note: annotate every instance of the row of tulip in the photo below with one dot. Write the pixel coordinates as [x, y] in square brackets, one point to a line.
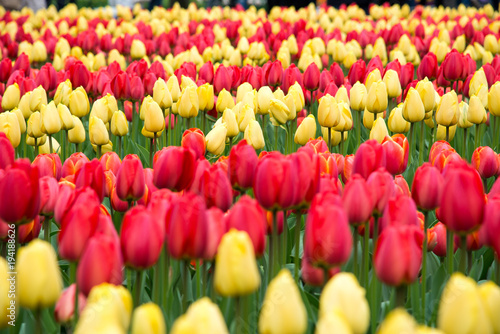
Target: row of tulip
[215, 231]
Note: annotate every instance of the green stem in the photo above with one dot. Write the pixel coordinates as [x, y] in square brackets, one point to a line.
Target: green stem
[497, 264]
[151, 151]
[198, 279]
[38, 321]
[51, 149]
[276, 138]
[401, 292]
[63, 152]
[298, 225]
[326, 275]
[73, 269]
[138, 287]
[449, 251]
[358, 128]
[98, 151]
[158, 270]
[476, 138]
[230, 143]
[203, 122]
[355, 253]
[275, 242]
[330, 139]
[46, 229]
[284, 241]
[120, 149]
[165, 258]
[365, 254]
[424, 263]
[264, 132]
[77, 148]
[129, 279]
[239, 319]
[342, 142]
[204, 270]
[412, 146]
[463, 254]
[422, 143]
[36, 147]
[188, 123]
[464, 145]
[184, 265]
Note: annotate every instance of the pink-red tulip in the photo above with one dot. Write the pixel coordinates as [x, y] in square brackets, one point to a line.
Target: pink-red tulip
[91, 175]
[49, 191]
[485, 161]
[7, 153]
[30, 231]
[369, 157]
[110, 161]
[242, 163]
[400, 210]
[65, 306]
[382, 189]
[401, 186]
[175, 168]
[357, 200]
[195, 140]
[73, 164]
[216, 187]
[315, 276]
[311, 77]
[396, 153]
[48, 165]
[216, 227]
[491, 224]
[427, 187]
[130, 183]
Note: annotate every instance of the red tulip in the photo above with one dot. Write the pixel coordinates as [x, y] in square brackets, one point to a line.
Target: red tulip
[136, 88]
[65, 307]
[491, 224]
[311, 77]
[195, 140]
[428, 67]
[217, 188]
[324, 80]
[78, 224]
[22, 63]
[101, 262]
[485, 161]
[242, 163]
[382, 189]
[357, 72]
[307, 173]
[274, 73]
[396, 153]
[7, 153]
[328, 164]
[206, 72]
[222, 79]
[357, 200]
[246, 215]
[291, 75]
[462, 214]
[453, 66]
[427, 187]
[216, 227]
[73, 164]
[320, 146]
[400, 210]
[130, 183]
[20, 192]
[141, 238]
[30, 231]
[328, 239]
[48, 165]
[346, 170]
[437, 148]
[337, 74]
[5, 69]
[369, 157]
[92, 175]
[315, 276]
[275, 182]
[186, 227]
[406, 75]
[401, 186]
[440, 230]
[120, 86]
[196, 186]
[46, 77]
[398, 255]
[49, 191]
[79, 75]
[175, 168]
[116, 203]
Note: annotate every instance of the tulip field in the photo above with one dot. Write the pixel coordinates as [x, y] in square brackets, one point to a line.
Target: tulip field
[230, 170]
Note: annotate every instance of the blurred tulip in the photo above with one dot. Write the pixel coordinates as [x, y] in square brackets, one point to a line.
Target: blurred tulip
[242, 163]
[65, 307]
[9, 126]
[427, 187]
[306, 130]
[79, 102]
[91, 175]
[369, 157]
[175, 168]
[447, 110]
[119, 124]
[398, 321]
[7, 153]
[11, 97]
[130, 184]
[357, 200]
[216, 139]
[202, 316]
[148, 319]
[485, 161]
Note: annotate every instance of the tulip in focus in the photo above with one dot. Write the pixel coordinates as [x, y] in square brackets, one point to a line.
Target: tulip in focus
[306, 130]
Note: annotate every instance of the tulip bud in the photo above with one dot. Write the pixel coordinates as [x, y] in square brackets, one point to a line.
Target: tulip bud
[51, 122]
[396, 121]
[175, 168]
[77, 134]
[11, 97]
[425, 89]
[490, 296]
[229, 120]
[98, 133]
[206, 97]
[38, 276]
[494, 99]
[306, 130]
[173, 87]
[298, 96]
[137, 49]
[264, 97]
[485, 161]
[201, 317]
[244, 115]
[286, 314]
[154, 121]
[328, 112]
[67, 122]
[413, 107]
[79, 102]
[461, 309]
[63, 92]
[119, 124]
[376, 100]
[398, 321]
[379, 130]
[427, 187]
[216, 139]
[65, 307]
[188, 104]
[148, 319]
[279, 111]
[38, 97]
[254, 136]
[358, 96]
[161, 94]
[9, 124]
[447, 111]
[195, 140]
[391, 80]
[24, 105]
[224, 101]
[476, 112]
[344, 295]
[236, 273]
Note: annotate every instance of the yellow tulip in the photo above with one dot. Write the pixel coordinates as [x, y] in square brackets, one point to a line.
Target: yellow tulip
[441, 132]
[216, 139]
[349, 60]
[242, 90]
[236, 273]
[39, 281]
[376, 100]
[186, 82]
[264, 97]
[379, 130]
[425, 89]
[279, 94]
[372, 77]
[9, 124]
[447, 110]
[333, 322]
[398, 321]
[11, 97]
[283, 310]
[38, 97]
[188, 104]
[161, 94]
[206, 97]
[254, 136]
[490, 296]
[229, 119]
[344, 295]
[63, 92]
[39, 52]
[396, 121]
[368, 119]
[306, 130]
[342, 96]
[202, 317]
[7, 301]
[413, 107]
[108, 310]
[358, 96]
[491, 43]
[494, 99]
[335, 136]
[345, 123]
[461, 309]
[478, 79]
[77, 134]
[224, 101]
[173, 87]
[67, 122]
[244, 115]
[148, 319]
[51, 122]
[428, 330]
[35, 125]
[298, 96]
[79, 102]
[24, 105]
[279, 111]
[98, 134]
[137, 49]
[328, 112]
[476, 112]
[119, 124]
[154, 120]
[463, 119]
[20, 119]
